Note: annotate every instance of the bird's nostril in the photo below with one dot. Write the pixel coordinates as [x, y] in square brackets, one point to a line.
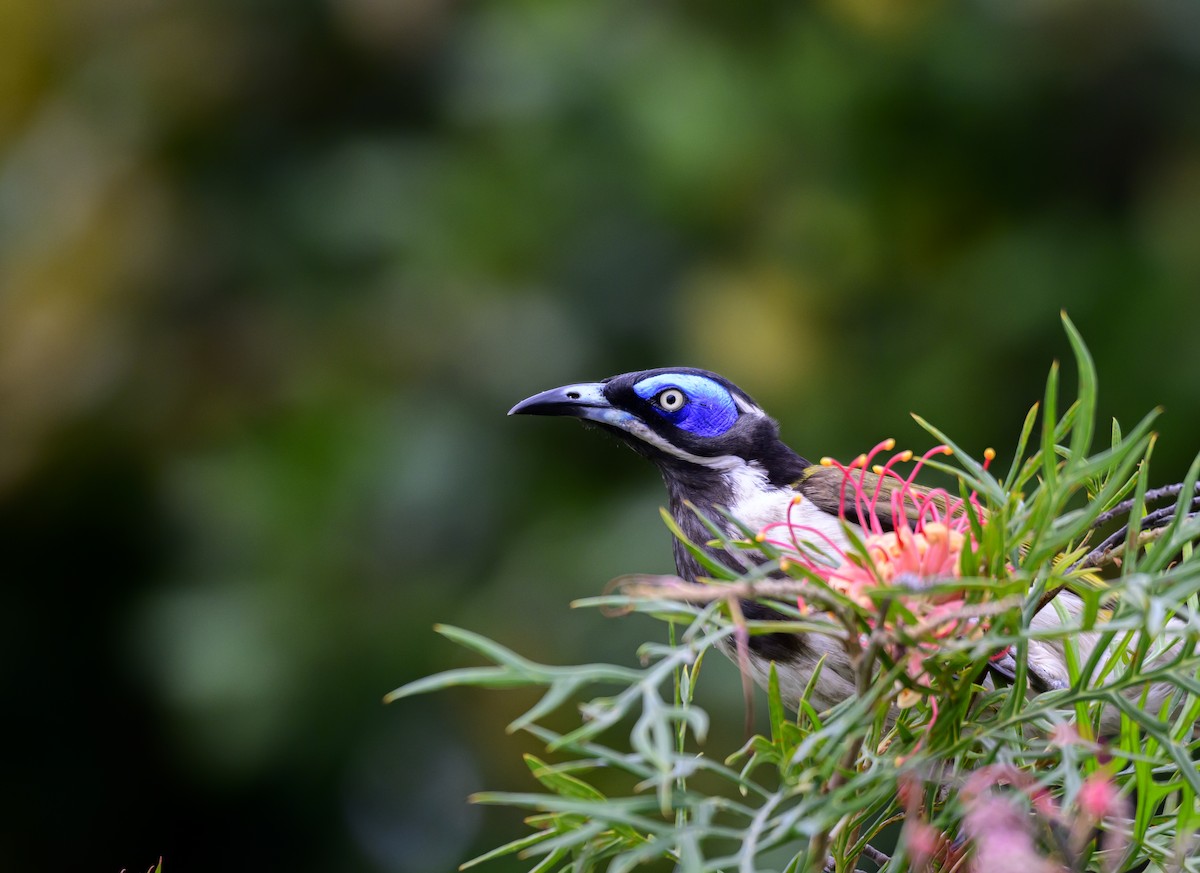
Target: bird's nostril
[574, 395]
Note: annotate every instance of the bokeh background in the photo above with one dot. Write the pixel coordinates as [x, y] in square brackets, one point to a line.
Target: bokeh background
[272, 271]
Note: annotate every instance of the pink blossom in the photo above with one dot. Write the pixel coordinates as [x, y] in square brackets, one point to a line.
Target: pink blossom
[923, 842]
[1098, 797]
[1002, 838]
[930, 528]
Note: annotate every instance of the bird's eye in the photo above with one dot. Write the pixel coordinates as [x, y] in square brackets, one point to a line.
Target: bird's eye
[671, 399]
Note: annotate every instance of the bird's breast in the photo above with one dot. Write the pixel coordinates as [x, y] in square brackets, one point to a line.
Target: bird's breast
[783, 514]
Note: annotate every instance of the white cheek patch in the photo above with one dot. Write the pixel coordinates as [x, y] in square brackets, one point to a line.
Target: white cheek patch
[646, 435]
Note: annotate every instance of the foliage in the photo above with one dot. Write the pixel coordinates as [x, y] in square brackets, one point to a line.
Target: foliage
[972, 773]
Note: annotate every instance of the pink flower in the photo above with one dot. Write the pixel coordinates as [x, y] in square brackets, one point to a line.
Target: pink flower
[912, 537]
[923, 842]
[1098, 797]
[1065, 734]
[1002, 839]
[1098, 800]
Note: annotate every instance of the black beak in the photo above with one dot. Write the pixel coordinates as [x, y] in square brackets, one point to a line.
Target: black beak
[584, 400]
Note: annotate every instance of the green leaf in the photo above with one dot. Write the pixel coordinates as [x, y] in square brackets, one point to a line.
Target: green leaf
[1049, 435]
[560, 782]
[775, 704]
[483, 677]
[1081, 438]
[1010, 481]
[510, 848]
[719, 570]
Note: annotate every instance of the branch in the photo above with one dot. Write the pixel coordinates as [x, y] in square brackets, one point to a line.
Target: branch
[673, 588]
[1152, 496]
[1110, 550]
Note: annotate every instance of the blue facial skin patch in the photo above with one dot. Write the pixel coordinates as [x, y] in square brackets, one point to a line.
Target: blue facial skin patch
[709, 410]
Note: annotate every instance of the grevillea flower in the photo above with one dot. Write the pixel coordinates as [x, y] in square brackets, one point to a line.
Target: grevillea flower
[1007, 810]
[1097, 800]
[1002, 839]
[1098, 796]
[913, 538]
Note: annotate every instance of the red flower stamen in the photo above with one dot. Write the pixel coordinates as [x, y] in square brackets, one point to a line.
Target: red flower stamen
[919, 541]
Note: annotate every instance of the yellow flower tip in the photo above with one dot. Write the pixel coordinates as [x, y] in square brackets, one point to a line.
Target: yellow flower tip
[877, 469]
[906, 455]
[826, 461]
[785, 565]
[946, 450]
[860, 461]
[797, 500]
[889, 444]
[760, 537]
[989, 454]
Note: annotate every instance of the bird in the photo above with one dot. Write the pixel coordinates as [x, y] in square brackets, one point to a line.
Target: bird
[721, 456]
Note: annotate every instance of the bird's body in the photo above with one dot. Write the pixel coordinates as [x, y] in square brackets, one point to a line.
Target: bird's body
[721, 456]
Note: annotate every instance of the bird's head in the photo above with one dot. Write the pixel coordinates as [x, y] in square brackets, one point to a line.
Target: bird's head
[687, 421]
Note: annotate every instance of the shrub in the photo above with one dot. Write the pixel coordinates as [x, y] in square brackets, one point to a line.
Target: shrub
[1099, 773]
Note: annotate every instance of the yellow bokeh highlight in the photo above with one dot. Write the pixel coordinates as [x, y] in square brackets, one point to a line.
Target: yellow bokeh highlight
[751, 324]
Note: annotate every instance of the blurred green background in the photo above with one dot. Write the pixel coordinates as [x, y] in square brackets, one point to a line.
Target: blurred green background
[271, 273]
